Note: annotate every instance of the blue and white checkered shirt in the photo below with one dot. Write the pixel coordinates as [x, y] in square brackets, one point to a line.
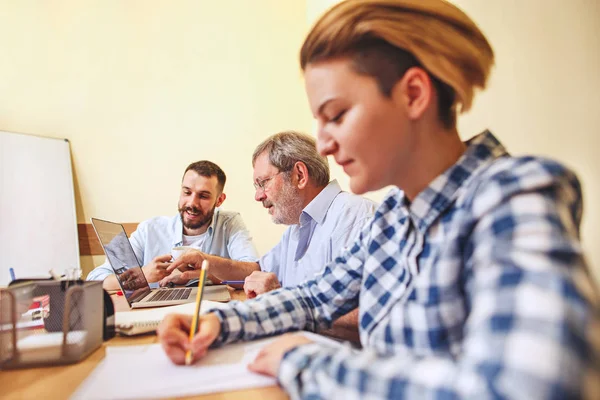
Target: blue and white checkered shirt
[477, 288]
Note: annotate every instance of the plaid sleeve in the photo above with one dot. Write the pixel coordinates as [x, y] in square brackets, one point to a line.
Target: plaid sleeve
[533, 328]
[312, 306]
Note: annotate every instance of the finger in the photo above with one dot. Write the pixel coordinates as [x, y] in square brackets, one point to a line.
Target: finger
[174, 328]
[164, 258]
[186, 267]
[162, 274]
[174, 265]
[175, 279]
[163, 268]
[260, 364]
[260, 275]
[199, 351]
[163, 265]
[175, 353]
[254, 366]
[200, 354]
[252, 278]
[175, 346]
[189, 275]
[174, 339]
[192, 257]
[202, 341]
[192, 252]
[165, 281]
[257, 289]
[178, 280]
[270, 279]
[161, 258]
[213, 279]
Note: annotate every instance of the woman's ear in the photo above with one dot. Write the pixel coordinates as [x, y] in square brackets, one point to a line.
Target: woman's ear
[414, 91]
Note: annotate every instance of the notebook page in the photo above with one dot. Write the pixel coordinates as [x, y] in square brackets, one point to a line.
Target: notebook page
[145, 372]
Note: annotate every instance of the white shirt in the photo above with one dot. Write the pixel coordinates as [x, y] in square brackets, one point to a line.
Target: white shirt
[227, 237]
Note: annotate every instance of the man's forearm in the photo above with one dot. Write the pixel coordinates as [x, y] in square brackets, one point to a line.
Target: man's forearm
[230, 270]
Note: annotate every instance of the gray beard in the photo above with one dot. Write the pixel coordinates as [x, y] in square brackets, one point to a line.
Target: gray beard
[289, 206]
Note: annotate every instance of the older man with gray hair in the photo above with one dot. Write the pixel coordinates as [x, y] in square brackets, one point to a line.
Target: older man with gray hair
[292, 181]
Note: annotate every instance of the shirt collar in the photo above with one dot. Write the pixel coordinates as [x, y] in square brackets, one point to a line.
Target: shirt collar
[179, 227]
[482, 149]
[318, 207]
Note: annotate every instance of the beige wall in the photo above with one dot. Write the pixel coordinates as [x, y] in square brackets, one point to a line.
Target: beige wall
[143, 88]
[544, 95]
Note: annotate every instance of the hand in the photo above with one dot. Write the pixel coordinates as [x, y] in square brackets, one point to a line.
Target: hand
[189, 264]
[268, 360]
[180, 278]
[131, 280]
[188, 261]
[259, 282]
[127, 279]
[174, 332]
[157, 268]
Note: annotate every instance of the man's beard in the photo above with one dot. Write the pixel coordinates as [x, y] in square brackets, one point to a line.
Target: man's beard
[288, 207]
[195, 225]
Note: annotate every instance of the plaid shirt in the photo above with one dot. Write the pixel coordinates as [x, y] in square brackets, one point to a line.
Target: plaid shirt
[478, 288]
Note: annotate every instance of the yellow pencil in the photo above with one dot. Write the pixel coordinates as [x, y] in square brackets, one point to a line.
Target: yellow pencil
[194, 327]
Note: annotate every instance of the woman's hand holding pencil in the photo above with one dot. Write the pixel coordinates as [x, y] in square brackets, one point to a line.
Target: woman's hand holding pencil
[173, 333]
[201, 331]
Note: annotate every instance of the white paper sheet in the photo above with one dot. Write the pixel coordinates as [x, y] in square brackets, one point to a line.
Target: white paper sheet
[145, 372]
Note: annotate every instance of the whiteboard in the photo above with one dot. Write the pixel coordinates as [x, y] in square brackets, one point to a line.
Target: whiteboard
[38, 222]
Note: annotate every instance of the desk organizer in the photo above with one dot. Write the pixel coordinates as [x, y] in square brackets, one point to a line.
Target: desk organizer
[49, 322]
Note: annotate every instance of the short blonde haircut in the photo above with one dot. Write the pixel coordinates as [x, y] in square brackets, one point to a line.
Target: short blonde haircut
[444, 40]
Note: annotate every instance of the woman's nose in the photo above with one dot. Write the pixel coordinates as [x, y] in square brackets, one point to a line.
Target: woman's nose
[325, 144]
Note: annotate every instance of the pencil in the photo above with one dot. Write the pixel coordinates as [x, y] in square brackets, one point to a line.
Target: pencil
[194, 327]
[232, 282]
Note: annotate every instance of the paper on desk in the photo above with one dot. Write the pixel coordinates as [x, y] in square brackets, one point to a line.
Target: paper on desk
[136, 372]
[157, 314]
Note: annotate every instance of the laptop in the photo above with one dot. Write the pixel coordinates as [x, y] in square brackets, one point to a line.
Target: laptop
[130, 276]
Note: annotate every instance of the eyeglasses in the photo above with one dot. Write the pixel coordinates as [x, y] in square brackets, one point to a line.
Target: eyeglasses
[262, 184]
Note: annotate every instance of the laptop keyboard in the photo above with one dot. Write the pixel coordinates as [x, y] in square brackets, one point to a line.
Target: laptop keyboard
[171, 294]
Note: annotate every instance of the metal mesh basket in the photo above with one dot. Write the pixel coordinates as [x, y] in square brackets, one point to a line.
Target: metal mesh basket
[49, 322]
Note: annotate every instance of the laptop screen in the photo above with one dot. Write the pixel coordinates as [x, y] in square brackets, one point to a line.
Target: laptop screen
[122, 259]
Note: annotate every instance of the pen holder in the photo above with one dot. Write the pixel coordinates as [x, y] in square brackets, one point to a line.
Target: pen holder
[50, 322]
